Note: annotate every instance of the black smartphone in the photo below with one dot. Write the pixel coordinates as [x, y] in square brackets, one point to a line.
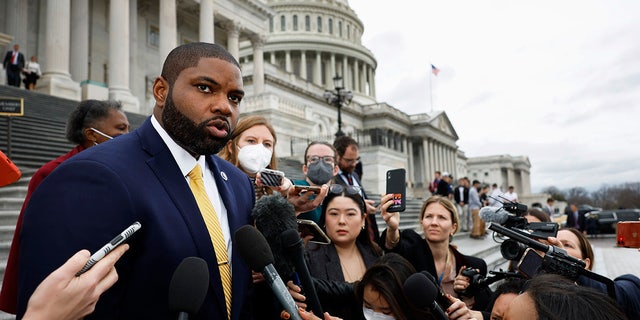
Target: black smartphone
[271, 178]
[396, 185]
[308, 227]
[530, 263]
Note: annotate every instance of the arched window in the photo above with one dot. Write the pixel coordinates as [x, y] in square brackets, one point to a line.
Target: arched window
[319, 24]
[330, 26]
[307, 23]
[283, 21]
[340, 29]
[295, 22]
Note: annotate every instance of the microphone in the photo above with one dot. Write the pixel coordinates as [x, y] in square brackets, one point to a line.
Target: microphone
[273, 214]
[500, 216]
[188, 287]
[254, 249]
[422, 293]
[293, 245]
[494, 214]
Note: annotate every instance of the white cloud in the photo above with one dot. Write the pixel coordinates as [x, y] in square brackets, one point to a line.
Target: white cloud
[558, 81]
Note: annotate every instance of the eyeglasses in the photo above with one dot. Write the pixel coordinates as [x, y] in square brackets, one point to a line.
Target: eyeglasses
[325, 159]
[339, 189]
[350, 161]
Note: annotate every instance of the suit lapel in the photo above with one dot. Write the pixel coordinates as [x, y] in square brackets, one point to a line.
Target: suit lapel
[165, 168]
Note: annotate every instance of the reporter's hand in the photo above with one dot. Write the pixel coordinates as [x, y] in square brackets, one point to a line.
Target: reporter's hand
[298, 297]
[392, 219]
[306, 315]
[461, 282]
[257, 277]
[371, 209]
[302, 202]
[458, 310]
[62, 295]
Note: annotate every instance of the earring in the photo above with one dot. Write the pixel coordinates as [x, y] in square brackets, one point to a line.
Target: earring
[363, 227]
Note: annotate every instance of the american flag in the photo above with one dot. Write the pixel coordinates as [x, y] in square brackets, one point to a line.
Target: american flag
[434, 70]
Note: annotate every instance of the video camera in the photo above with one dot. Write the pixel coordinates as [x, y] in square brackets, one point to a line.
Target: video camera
[477, 281]
[510, 215]
[521, 246]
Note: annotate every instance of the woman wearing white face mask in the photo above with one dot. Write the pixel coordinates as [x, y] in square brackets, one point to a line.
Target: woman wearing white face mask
[251, 149]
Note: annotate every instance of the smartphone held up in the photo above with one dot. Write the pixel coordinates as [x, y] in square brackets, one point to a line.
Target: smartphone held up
[396, 185]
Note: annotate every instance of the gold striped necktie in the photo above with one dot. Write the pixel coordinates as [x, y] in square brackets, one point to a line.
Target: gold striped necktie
[215, 232]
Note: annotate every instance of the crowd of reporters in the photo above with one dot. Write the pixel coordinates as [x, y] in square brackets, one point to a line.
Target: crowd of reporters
[361, 273]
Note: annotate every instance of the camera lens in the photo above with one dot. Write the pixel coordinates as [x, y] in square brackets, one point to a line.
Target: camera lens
[512, 250]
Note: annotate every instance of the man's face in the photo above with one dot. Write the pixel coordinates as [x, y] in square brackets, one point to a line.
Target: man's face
[16, 47]
[201, 108]
[349, 159]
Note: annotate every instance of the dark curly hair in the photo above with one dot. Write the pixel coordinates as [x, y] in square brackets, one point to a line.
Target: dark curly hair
[88, 114]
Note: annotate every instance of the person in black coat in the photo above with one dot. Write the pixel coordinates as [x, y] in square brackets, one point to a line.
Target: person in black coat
[434, 253]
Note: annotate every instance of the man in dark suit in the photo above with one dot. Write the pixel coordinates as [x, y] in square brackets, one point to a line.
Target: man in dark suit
[145, 176]
[575, 219]
[348, 156]
[13, 64]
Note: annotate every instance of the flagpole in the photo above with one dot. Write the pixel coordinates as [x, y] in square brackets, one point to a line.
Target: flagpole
[430, 88]
[434, 71]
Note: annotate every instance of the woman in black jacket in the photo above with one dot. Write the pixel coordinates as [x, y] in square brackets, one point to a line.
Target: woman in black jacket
[434, 253]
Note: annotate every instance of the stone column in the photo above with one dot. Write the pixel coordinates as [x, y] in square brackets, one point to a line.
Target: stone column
[168, 28]
[411, 178]
[119, 56]
[257, 43]
[303, 65]
[363, 78]
[79, 67]
[332, 69]
[272, 57]
[17, 18]
[56, 80]
[206, 21]
[346, 78]
[372, 84]
[356, 79]
[428, 170]
[317, 73]
[136, 85]
[233, 37]
[287, 61]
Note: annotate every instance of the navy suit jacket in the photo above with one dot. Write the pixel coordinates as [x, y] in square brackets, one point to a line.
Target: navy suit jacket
[96, 194]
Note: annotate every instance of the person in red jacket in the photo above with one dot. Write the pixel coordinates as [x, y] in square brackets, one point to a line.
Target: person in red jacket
[91, 123]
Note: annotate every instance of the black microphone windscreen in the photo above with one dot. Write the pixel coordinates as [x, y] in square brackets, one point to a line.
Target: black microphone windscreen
[273, 214]
[189, 285]
[291, 239]
[253, 247]
[420, 291]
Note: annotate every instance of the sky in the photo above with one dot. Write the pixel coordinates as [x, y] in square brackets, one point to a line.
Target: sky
[557, 81]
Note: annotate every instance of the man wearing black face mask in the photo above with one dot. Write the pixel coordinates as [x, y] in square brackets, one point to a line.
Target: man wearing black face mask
[318, 168]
